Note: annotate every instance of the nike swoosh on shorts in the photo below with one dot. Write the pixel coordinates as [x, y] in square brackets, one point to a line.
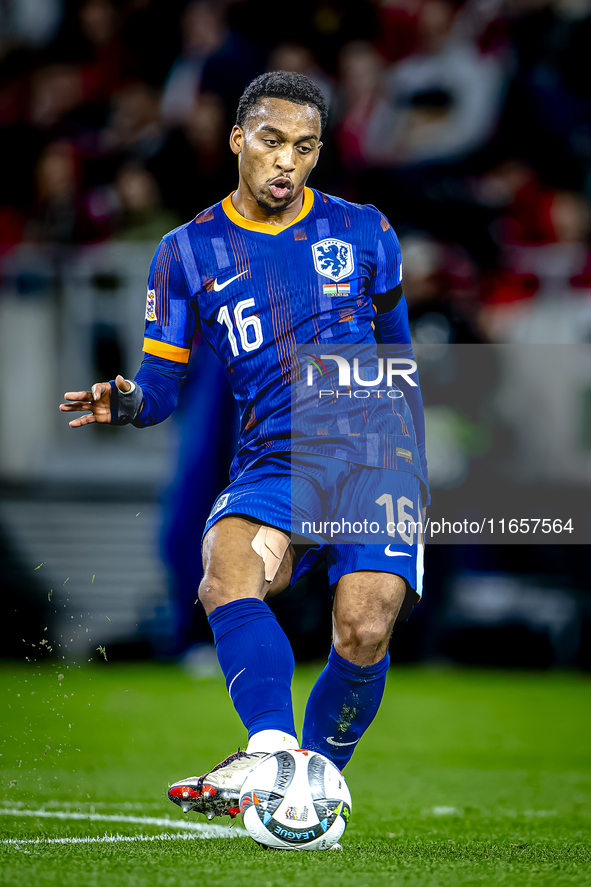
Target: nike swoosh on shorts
[395, 553]
[220, 286]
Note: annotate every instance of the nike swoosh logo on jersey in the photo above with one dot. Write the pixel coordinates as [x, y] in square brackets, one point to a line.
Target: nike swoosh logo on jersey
[334, 742]
[220, 286]
[395, 553]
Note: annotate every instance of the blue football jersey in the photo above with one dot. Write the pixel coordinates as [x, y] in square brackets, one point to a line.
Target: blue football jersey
[258, 293]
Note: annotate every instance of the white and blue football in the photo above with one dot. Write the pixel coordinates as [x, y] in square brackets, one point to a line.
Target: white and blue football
[295, 800]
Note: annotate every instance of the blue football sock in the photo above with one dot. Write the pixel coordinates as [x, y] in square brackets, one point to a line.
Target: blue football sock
[258, 663]
[343, 703]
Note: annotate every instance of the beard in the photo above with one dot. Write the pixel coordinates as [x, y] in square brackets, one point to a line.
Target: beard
[277, 206]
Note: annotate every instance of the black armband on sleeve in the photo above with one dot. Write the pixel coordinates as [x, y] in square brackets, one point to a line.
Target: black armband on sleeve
[387, 301]
[125, 406]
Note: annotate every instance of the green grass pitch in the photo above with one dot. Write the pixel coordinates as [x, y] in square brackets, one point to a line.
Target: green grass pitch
[466, 777]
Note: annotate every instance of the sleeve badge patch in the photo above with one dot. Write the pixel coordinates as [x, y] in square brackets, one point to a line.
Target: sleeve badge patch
[333, 258]
[220, 503]
[151, 305]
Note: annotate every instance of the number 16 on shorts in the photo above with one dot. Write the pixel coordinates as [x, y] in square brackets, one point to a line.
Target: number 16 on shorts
[401, 522]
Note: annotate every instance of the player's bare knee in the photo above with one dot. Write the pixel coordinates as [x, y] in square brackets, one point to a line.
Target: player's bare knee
[215, 591]
[212, 594]
[365, 608]
[362, 643]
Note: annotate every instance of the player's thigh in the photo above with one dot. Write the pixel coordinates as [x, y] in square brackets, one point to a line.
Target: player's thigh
[232, 569]
[379, 571]
[366, 604]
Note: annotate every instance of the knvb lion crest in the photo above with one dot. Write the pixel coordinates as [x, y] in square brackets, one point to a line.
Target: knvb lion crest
[333, 258]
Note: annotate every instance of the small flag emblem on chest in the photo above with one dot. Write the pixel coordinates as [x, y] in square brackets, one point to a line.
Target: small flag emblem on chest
[336, 289]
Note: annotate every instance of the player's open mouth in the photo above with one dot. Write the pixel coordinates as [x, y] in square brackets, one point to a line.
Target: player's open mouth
[281, 187]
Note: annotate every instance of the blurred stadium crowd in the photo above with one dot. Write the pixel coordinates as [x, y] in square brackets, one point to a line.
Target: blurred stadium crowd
[468, 123]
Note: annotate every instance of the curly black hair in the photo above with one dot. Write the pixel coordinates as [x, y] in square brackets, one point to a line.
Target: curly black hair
[292, 87]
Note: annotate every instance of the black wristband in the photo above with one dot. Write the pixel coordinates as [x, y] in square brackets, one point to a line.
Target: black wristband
[125, 406]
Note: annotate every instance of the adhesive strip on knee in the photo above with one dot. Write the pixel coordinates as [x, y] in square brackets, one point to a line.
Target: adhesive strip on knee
[271, 545]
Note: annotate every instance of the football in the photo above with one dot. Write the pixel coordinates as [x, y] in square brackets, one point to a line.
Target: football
[295, 800]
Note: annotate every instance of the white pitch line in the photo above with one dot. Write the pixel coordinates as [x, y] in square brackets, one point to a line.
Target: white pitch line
[212, 831]
[91, 805]
[107, 839]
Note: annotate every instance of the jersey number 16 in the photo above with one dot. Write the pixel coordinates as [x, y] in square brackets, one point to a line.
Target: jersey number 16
[242, 324]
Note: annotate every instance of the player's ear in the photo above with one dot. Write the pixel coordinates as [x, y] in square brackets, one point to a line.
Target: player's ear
[318, 147]
[236, 138]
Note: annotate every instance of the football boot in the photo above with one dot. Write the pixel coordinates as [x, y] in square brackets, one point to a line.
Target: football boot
[217, 792]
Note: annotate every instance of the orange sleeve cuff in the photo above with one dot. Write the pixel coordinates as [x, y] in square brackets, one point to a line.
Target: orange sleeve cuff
[168, 352]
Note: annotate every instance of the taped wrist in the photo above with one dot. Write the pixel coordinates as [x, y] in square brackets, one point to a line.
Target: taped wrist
[125, 405]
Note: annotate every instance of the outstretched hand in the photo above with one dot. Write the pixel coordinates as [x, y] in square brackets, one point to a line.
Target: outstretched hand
[95, 403]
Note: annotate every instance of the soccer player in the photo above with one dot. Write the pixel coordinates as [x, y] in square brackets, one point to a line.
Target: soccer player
[272, 267]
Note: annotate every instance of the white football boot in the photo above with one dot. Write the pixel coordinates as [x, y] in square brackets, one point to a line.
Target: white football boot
[217, 792]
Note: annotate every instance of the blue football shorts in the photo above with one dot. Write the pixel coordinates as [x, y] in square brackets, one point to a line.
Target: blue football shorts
[354, 516]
